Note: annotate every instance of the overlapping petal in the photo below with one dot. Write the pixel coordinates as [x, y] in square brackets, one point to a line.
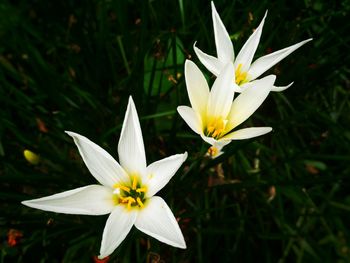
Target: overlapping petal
[224, 47]
[247, 133]
[118, 225]
[249, 101]
[131, 149]
[264, 63]
[192, 118]
[246, 54]
[213, 64]
[87, 200]
[158, 221]
[222, 92]
[100, 163]
[197, 87]
[159, 173]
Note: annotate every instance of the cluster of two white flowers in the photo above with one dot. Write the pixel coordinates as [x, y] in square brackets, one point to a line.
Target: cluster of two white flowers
[128, 189]
[214, 114]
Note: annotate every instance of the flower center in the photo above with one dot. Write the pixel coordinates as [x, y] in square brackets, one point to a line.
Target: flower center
[215, 127]
[132, 195]
[241, 77]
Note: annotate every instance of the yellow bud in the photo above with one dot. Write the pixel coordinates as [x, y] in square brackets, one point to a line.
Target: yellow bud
[31, 157]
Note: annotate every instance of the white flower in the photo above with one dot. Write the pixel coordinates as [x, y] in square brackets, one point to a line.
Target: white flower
[245, 70]
[213, 114]
[214, 151]
[127, 191]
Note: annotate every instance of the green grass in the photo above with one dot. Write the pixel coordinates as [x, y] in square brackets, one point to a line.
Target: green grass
[72, 66]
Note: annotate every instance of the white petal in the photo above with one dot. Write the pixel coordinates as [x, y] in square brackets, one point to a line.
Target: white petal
[262, 64]
[87, 200]
[246, 86]
[197, 87]
[209, 140]
[100, 163]
[213, 64]
[131, 149]
[249, 101]
[221, 94]
[246, 54]
[217, 143]
[159, 173]
[192, 119]
[118, 225]
[281, 88]
[273, 88]
[224, 47]
[157, 220]
[237, 88]
[247, 133]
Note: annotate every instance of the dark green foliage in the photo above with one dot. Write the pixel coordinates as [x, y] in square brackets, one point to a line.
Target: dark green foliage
[71, 65]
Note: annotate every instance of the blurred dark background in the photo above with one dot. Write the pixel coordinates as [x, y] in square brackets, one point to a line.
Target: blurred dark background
[71, 65]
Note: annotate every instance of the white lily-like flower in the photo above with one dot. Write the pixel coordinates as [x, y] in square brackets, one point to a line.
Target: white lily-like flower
[214, 114]
[245, 70]
[127, 191]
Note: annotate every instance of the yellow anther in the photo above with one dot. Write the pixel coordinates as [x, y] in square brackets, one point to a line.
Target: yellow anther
[134, 183]
[124, 199]
[216, 127]
[130, 202]
[213, 151]
[241, 77]
[124, 188]
[138, 199]
[210, 129]
[142, 189]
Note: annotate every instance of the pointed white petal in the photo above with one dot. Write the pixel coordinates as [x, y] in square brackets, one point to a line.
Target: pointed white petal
[273, 88]
[87, 200]
[217, 143]
[247, 133]
[221, 94]
[100, 163]
[118, 225]
[224, 47]
[246, 54]
[213, 64]
[262, 64]
[281, 88]
[192, 119]
[157, 220]
[131, 149]
[249, 101]
[197, 87]
[159, 173]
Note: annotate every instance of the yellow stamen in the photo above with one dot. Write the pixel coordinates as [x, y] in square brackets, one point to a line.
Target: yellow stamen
[134, 183]
[213, 151]
[124, 188]
[241, 77]
[130, 202]
[124, 199]
[139, 202]
[216, 127]
[142, 189]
